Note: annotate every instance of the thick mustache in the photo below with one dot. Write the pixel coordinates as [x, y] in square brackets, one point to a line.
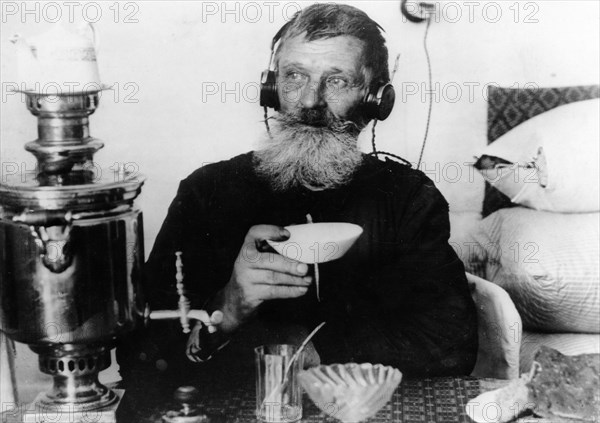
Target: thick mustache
[318, 118]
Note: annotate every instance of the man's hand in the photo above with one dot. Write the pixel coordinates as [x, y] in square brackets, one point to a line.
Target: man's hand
[258, 276]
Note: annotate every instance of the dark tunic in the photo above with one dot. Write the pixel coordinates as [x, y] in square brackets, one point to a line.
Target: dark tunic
[398, 297]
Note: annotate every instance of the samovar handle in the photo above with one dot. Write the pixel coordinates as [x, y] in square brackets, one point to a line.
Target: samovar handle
[54, 238]
[51, 231]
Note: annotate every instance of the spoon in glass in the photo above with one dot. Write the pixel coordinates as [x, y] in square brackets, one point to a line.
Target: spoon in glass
[277, 390]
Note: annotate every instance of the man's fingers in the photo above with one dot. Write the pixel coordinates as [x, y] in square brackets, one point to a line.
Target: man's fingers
[276, 278]
[273, 292]
[278, 263]
[192, 344]
[259, 233]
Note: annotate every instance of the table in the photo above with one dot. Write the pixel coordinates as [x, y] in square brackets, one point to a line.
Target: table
[434, 400]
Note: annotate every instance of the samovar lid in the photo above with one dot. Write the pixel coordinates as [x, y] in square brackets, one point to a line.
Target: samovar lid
[76, 190]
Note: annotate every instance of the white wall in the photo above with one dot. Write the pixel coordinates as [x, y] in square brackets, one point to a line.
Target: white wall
[176, 51]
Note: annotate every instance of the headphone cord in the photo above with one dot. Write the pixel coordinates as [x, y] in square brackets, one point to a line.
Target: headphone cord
[267, 122]
[385, 153]
[373, 139]
[373, 145]
[430, 88]
[375, 120]
[376, 153]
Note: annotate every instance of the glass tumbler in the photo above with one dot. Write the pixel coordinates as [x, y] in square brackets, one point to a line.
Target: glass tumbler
[278, 396]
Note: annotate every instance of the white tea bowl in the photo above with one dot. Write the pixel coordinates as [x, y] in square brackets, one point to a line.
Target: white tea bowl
[318, 242]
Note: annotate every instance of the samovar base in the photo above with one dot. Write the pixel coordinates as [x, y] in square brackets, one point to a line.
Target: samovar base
[104, 398]
[75, 369]
[41, 412]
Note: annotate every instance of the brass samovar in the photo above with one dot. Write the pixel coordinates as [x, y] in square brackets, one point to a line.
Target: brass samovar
[71, 253]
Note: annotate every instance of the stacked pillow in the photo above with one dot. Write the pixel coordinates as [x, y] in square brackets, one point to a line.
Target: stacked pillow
[548, 263]
[545, 252]
[549, 162]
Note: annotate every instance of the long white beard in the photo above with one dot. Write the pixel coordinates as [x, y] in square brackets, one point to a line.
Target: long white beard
[313, 149]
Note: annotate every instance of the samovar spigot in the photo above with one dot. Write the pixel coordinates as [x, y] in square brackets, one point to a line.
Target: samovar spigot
[184, 312]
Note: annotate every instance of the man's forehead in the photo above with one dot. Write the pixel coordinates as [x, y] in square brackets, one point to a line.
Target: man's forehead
[344, 52]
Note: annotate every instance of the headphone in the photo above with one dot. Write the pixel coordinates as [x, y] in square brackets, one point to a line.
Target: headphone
[377, 104]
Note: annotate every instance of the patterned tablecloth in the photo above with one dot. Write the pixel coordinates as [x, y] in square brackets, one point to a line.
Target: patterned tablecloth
[433, 400]
[436, 400]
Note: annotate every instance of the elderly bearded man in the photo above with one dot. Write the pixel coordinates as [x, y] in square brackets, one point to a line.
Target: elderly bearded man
[398, 297]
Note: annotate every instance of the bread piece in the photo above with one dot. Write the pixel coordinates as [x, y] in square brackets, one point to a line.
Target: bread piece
[558, 388]
[566, 387]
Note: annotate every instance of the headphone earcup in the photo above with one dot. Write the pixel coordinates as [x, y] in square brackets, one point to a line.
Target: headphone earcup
[379, 105]
[268, 90]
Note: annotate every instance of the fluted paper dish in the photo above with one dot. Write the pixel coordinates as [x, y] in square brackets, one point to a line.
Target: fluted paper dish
[350, 392]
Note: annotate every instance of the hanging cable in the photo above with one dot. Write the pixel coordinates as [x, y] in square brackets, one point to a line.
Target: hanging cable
[395, 68]
[430, 88]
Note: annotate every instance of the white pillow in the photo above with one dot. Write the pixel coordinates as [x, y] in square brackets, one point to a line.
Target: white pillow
[561, 148]
[549, 263]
